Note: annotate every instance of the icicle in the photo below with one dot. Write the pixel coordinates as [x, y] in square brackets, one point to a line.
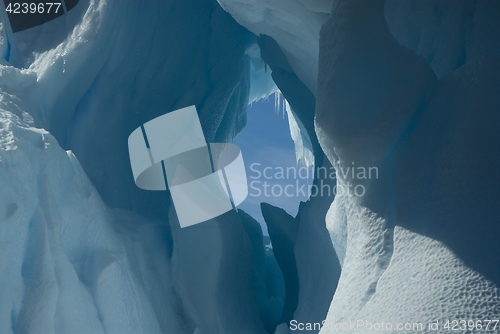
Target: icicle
[277, 101]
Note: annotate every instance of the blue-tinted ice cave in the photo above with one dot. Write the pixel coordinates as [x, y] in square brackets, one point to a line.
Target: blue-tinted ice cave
[369, 130]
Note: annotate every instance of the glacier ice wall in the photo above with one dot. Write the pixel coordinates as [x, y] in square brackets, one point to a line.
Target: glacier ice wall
[213, 271]
[303, 145]
[65, 269]
[269, 279]
[306, 256]
[296, 94]
[447, 34]
[261, 82]
[409, 246]
[420, 244]
[128, 73]
[70, 264]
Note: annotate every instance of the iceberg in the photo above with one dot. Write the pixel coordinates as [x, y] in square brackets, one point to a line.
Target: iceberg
[392, 95]
[400, 97]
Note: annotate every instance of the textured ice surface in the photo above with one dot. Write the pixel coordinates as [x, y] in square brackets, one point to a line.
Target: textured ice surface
[65, 269]
[70, 264]
[97, 73]
[446, 33]
[420, 244]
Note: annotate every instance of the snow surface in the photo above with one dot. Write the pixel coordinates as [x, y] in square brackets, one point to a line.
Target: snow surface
[447, 34]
